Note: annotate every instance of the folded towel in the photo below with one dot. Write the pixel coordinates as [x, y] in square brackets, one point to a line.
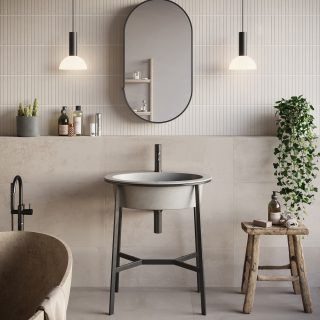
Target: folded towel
[55, 305]
[292, 223]
[289, 220]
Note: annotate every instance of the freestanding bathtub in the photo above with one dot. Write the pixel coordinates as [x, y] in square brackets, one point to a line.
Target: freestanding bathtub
[31, 266]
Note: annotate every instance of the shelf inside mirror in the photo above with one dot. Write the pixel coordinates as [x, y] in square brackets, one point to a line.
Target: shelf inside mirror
[138, 81]
[143, 113]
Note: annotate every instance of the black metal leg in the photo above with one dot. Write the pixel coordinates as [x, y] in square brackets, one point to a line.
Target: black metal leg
[196, 245]
[199, 252]
[157, 221]
[118, 248]
[114, 252]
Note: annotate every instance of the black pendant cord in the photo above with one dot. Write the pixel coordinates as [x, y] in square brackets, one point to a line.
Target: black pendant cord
[242, 35]
[72, 15]
[242, 17]
[73, 36]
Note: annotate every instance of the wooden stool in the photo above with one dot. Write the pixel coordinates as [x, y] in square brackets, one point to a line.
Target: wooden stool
[297, 265]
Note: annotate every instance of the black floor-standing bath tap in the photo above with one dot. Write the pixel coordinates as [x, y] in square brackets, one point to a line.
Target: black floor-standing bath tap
[20, 211]
[157, 168]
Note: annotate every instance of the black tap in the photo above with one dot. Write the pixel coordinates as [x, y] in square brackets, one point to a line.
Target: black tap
[20, 211]
[157, 158]
[157, 168]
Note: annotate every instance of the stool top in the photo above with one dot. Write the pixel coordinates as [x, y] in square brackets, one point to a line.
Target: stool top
[249, 228]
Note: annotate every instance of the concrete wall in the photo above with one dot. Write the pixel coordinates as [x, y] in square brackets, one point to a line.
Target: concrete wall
[63, 180]
[283, 38]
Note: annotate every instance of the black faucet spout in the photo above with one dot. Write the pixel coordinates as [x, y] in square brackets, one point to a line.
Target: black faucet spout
[157, 158]
[19, 210]
[157, 168]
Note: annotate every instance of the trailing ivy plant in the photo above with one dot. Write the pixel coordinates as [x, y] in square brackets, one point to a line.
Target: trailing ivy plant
[297, 155]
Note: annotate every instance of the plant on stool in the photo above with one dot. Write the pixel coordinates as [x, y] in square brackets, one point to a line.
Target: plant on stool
[297, 155]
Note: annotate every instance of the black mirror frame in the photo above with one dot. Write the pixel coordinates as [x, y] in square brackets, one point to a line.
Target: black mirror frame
[124, 71]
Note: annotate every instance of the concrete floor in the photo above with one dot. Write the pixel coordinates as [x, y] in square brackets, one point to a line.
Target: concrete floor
[182, 303]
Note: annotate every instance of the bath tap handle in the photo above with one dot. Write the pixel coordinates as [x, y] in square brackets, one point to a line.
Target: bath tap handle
[28, 212]
[25, 212]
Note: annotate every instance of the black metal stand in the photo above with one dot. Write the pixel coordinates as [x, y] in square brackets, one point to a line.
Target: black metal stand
[135, 261]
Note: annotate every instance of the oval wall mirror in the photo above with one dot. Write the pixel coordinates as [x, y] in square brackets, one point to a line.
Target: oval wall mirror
[158, 60]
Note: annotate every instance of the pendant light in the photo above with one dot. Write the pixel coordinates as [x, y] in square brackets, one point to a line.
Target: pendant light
[73, 61]
[243, 61]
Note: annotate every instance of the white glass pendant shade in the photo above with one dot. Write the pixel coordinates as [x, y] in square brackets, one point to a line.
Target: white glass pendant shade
[73, 63]
[242, 63]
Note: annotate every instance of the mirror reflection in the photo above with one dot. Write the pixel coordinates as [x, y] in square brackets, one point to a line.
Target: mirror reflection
[158, 60]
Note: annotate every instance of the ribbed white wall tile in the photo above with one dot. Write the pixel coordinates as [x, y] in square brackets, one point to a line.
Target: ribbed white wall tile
[283, 38]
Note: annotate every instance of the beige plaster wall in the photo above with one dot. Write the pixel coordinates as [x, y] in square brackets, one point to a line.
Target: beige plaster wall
[63, 181]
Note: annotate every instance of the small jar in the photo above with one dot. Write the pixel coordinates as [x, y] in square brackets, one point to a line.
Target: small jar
[71, 130]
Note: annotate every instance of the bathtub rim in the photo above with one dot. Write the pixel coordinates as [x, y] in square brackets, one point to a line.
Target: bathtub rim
[39, 314]
[69, 252]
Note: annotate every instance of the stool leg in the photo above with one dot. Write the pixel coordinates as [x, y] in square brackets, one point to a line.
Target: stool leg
[305, 291]
[114, 253]
[246, 266]
[118, 248]
[196, 245]
[293, 265]
[199, 253]
[253, 273]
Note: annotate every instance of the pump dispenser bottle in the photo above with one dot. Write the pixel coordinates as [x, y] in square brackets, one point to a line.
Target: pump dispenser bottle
[63, 122]
[78, 121]
[274, 205]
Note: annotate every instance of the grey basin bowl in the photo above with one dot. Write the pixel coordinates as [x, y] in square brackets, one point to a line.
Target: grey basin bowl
[156, 190]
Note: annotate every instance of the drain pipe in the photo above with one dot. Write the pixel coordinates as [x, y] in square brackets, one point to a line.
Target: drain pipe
[157, 168]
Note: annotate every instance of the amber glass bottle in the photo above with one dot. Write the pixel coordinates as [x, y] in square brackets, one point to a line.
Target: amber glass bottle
[274, 205]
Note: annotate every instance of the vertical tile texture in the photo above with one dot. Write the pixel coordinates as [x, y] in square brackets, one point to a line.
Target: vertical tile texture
[283, 38]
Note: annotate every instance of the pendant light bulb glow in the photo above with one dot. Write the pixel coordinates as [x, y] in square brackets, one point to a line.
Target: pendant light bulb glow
[73, 61]
[243, 61]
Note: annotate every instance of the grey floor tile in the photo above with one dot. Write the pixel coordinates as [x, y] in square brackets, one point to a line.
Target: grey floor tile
[183, 303]
[269, 304]
[131, 303]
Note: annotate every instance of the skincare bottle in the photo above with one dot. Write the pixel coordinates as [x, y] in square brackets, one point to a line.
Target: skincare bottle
[92, 129]
[98, 124]
[144, 107]
[77, 121]
[137, 75]
[63, 122]
[274, 205]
